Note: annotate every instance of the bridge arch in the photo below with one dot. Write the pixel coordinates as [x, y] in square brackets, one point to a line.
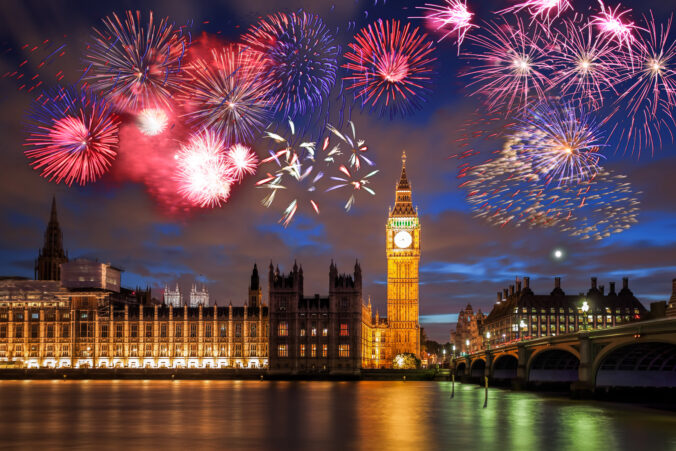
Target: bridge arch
[636, 364]
[460, 368]
[478, 368]
[554, 365]
[505, 366]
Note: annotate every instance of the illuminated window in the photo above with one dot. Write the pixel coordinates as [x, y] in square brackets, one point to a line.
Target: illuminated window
[119, 351]
[313, 351]
[118, 330]
[252, 331]
[325, 332]
[149, 350]
[325, 350]
[314, 331]
[133, 351]
[223, 351]
[65, 331]
[193, 330]
[302, 332]
[65, 350]
[253, 350]
[179, 350]
[104, 331]
[302, 350]
[178, 331]
[223, 330]
[207, 330]
[238, 350]
[283, 329]
[163, 351]
[35, 330]
[149, 330]
[163, 330]
[134, 330]
[282, 351]
[193, 350]
[3, 331]
[344, 351]
[344, 330]
[238, 330]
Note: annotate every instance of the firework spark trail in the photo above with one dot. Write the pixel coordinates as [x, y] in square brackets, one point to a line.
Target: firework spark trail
[152, 121]
[135, 66]
[509, 66]
[242, 161]
[650, 97]
[357, 146]
[561, 141]
[585, 68]
[390, 67]
[611, 23]
[73, 136]
[352, 179]
[300, 58]
[451, 18]
[543, 10]
[227, 93]
[203, 173]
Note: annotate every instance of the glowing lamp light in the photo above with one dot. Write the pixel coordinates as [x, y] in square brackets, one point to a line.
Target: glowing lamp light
[488, 335]
[585, 307]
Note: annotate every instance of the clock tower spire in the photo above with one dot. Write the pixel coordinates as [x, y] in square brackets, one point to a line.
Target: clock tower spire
[402, 234]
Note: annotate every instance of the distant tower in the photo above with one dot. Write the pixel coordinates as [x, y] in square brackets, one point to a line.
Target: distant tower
[403, 254]
[172, 297]
[199, 296]
[50, 257]
[255, 291]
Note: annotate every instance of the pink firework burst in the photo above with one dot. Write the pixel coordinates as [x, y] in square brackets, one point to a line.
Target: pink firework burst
[73, 136]
[541, 8]
[453, 17]
[650, 98]
[510, 65]
[204, 175]
[585, 68]
[390, 67]
[242, 161]
[611, 23]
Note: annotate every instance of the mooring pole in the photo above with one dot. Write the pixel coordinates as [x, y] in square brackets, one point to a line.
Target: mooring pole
[452, 385]
[486, 391]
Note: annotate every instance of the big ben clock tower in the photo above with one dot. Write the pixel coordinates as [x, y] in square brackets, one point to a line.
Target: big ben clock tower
[403, 256]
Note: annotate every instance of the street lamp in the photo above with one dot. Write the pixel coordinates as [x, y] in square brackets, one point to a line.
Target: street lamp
[523, 327]
[467, 346]
[444, 359]
[585, 309]
[488, 340]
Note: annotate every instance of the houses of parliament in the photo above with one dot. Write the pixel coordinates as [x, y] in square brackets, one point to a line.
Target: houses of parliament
[77, 314]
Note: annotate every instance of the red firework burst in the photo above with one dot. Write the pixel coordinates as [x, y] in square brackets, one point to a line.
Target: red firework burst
[73, 136]
[391, 67]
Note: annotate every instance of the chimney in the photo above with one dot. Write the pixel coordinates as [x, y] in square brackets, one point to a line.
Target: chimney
[511, 290]
[518, 286]
[504, 293]
[526, 282]
[625, 283]
[593, 283]
[602, 289]
[612, 288]
[557, 282]
[672, 300]
[500, 296]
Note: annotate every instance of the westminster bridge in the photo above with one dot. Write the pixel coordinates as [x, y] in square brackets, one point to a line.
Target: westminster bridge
[640, 354]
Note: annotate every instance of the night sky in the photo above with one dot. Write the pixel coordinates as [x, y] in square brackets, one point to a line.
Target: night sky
[463, 260]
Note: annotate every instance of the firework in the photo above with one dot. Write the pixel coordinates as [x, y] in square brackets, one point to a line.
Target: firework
[152, 121]
[390, 67]
[204, 175]
[611, 23]
[509, 66]
[133, 65]
[350, 179]
[226, 93]
[73, 136]
[242, 161]
[294, 164]
[357, 146]
[451, 18]
[650, 98]
[299, 59]
[561, 141]
[585, 68]
[537, 8]
[507, 190]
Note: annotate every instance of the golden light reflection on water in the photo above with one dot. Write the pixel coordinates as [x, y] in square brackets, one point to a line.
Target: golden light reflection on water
[313, 415]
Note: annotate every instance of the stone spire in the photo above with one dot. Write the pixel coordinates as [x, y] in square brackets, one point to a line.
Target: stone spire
[402, 204]
[50, 257]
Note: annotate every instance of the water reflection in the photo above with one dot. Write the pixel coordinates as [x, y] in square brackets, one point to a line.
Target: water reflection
[313, 415]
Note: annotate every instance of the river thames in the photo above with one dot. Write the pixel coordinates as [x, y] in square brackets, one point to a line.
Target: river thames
[314, 415]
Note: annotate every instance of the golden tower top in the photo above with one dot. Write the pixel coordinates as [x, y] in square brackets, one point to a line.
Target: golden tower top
[402, 203]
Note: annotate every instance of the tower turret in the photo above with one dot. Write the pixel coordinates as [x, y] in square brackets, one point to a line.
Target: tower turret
[50, 257]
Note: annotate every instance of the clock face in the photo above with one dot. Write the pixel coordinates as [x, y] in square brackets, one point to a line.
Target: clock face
[403, 239]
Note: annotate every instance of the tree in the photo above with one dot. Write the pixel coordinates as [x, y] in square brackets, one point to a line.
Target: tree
[406, 361]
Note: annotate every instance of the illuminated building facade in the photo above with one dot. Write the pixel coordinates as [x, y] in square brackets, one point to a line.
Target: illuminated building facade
[399, 332]
[315, 334]
[519, 313]
[467, 336]
[173, 297]
[76, 331]
[81, 273]
[199, 296]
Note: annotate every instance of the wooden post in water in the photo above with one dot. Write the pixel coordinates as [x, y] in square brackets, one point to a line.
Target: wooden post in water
[452, 385]
[486, 391]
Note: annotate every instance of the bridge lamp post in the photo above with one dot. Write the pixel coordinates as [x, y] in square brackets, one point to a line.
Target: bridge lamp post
[585, 309]
[467, 346]
[523, 327]
[488, 341]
